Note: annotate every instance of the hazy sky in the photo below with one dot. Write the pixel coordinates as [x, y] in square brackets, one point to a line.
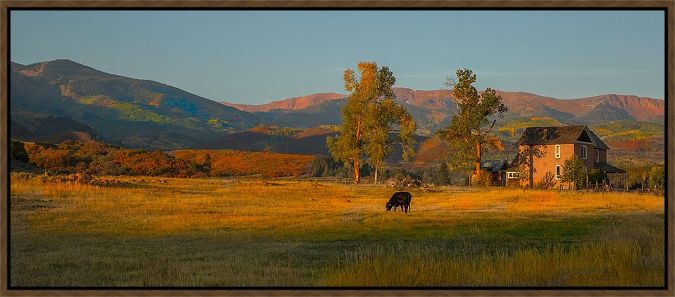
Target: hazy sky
[260, 56]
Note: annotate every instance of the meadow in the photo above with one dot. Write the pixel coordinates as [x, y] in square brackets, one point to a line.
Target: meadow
[151, 231]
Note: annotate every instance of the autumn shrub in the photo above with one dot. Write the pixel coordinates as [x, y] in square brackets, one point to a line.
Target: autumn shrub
[482, 179]
[547, 181]
[240, 163]
[146, 163]
[99, 159]
[57, 159]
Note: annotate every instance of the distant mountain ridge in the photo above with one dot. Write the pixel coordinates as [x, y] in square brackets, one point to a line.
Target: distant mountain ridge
[296, 103]
[434, 108]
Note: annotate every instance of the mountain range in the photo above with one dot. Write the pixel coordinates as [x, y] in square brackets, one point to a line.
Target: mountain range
[117, 109]
[433, 109]
[59, 100]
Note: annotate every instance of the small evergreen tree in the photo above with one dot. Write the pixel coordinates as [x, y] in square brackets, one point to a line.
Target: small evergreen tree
[574, 172]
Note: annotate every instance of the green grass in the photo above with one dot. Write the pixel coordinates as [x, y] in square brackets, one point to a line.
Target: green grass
[213, 232]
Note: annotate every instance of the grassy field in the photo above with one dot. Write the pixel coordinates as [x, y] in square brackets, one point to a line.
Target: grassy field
[229, 232]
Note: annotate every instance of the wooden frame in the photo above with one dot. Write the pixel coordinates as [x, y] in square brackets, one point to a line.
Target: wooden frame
[668, 6]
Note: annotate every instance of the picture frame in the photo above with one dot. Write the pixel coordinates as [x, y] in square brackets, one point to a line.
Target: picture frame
[667, 7]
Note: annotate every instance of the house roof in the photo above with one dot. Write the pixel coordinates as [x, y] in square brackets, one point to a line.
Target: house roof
[493, 166]
[608, 168]
[515, 162]
[558, 135]
[598, 142]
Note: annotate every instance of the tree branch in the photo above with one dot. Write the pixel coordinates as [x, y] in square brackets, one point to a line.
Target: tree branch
[491, 126]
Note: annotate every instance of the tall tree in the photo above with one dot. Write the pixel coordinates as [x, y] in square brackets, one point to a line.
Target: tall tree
[368, 118]
[384, 118]
[469, 132]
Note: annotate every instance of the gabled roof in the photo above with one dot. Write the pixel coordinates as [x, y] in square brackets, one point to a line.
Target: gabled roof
[608, 168]
[559, 135]
[598, 142]
[493, 166]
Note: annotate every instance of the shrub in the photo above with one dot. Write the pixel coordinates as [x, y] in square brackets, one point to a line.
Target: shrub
[482, 179]
[324, 166]
[547, 181]
[18, 151]
[238, 163]
[574, 172]
[597, 177]
[657, 178]
[436, 174]
[57, 159]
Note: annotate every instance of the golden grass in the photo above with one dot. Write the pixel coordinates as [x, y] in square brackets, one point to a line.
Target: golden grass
[320, 233]
[601, 262]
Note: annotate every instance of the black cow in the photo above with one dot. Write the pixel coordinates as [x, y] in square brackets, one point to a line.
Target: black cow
[401, 199]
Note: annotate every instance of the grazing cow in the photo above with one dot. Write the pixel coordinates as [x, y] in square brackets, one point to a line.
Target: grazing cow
[401, 199]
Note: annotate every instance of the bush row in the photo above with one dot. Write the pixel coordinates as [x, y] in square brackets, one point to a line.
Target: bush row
[96, 158]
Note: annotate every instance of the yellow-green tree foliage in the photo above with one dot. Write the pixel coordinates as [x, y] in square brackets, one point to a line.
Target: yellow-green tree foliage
[469, 132]
[368, 118]
[574, 172]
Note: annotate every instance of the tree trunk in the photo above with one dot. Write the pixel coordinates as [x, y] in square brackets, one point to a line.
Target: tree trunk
[357, 171]
[357, 160]
[376, 169]
[476, 173]
[531, 153]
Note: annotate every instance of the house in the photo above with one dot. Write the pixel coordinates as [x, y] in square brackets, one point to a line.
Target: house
[497, 169]
[545, 149]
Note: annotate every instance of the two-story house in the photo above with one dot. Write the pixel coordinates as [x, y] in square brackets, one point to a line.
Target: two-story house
[545, 149]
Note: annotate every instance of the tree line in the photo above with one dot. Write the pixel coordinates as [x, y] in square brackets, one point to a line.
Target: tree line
[371, 114]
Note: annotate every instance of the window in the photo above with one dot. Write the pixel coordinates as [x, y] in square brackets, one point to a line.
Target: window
[557, 151]
[557, 171]
[512, 175]
[584, 152]
[597, 156]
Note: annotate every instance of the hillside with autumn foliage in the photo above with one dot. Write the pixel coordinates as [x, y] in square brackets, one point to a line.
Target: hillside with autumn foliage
[95, 158]
[240, 163]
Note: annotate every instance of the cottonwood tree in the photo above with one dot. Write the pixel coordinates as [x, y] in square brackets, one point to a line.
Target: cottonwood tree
[469, 132]
[368, 118]
[384, 118]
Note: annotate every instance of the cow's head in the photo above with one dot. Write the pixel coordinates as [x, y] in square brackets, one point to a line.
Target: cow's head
[388, 206]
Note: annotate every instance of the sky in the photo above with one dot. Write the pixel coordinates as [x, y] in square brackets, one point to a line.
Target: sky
[254, 57]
